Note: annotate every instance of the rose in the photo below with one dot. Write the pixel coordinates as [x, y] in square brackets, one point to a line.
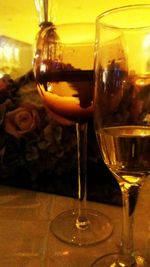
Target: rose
[22, 120]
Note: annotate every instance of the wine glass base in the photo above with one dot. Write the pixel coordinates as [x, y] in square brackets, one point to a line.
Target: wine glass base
[64, 228]
[110, 260]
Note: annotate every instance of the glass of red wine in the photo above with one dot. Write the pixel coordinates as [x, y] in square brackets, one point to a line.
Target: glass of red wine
[63, 68]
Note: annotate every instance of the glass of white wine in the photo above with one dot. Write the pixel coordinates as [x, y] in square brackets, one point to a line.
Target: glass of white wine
[122, 111]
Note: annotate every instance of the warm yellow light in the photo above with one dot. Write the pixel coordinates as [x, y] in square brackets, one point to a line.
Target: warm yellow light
[15, 57]
[8, 52]
[16, 54]
[65, 253]
[1, 74]
[146, 42]
[50, 88]
[43, 67]
[9, 55]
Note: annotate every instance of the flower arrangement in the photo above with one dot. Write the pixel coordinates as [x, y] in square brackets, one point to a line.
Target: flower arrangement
[33, 148]
[39, 154]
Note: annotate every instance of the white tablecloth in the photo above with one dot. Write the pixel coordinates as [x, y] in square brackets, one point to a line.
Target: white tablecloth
[25, 239]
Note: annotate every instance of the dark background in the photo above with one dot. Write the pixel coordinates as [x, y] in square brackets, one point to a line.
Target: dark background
[45, 158]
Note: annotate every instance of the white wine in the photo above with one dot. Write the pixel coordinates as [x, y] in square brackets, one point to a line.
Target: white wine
[126, 151]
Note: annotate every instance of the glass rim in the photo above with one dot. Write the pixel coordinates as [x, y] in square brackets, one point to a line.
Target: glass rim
[120, 9]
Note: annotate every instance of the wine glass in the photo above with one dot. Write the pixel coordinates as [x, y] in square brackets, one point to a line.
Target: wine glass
[122, 111]
[63, 68]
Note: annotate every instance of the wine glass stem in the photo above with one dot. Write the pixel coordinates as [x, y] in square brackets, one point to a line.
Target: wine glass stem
[126, 254]
[82, 221]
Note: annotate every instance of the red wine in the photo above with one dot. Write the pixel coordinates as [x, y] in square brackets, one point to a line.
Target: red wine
[67, 92]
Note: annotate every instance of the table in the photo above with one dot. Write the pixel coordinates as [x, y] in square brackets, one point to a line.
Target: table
[25, 239]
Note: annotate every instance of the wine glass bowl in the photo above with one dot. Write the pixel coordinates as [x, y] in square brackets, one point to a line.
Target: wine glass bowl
[63, 68]
[58, 65]
[122, 110]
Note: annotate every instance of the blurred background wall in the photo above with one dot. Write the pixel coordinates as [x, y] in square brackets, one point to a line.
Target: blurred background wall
[18, 19]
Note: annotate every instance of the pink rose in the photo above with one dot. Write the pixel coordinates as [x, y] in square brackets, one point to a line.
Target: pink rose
[21, 120]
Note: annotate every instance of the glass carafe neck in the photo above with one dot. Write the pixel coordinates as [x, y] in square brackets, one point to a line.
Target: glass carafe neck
[44, 10]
